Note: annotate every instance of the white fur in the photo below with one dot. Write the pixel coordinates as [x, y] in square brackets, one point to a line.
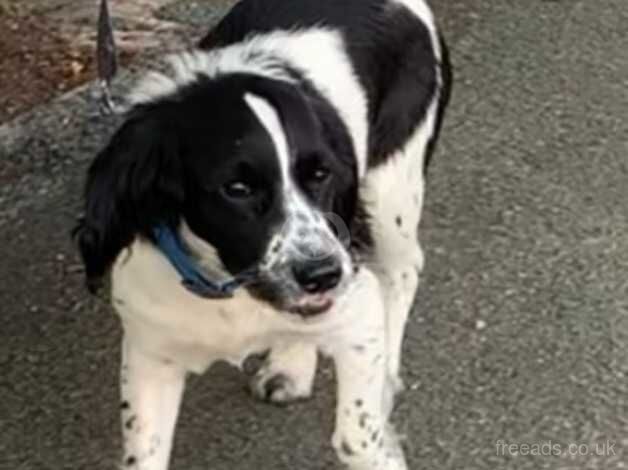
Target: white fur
[395, 191]
[149, 297]
[205, 255]
[269, 118]
[171, 331]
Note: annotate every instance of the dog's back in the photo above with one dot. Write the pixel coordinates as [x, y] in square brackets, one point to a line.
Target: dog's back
[392, 46]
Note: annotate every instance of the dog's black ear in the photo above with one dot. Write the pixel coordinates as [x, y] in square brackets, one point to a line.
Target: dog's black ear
[135, 183]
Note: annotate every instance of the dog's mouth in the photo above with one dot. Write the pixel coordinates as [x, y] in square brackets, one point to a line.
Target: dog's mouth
[311, 305]
[286, 296]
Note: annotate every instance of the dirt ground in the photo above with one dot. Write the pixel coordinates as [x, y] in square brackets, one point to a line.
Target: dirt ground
[36, 62]
[48, 46]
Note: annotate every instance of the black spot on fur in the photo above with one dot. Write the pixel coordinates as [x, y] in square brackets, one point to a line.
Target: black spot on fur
[130, 461]
[346, 449]
[399, 221]
[129, 422]
[125, 405]
[359, 403]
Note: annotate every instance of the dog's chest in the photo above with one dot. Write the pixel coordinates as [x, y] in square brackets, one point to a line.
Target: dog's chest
[166, 320]
[177, 325]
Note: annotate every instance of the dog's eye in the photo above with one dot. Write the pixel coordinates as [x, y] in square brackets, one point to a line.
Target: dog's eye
[238, 190]
[319, 174]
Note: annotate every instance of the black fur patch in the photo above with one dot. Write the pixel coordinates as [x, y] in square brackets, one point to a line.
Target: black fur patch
[389, 47]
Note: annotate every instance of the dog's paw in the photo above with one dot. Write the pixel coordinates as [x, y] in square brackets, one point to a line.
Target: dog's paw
[278, 388]
[286, 376]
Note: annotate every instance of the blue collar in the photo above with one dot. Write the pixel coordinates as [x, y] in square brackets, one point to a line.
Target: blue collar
[171, 246]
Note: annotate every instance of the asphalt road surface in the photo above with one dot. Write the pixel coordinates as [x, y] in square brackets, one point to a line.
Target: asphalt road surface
[520, 332]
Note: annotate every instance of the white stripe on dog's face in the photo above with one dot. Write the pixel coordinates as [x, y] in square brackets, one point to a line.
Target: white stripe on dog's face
[300, 217]
[304, 234]
[270, 120]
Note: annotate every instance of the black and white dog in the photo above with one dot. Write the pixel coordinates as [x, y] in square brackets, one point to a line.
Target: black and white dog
[265, 196]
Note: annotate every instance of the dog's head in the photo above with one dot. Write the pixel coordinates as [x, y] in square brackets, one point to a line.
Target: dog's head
[248, 172]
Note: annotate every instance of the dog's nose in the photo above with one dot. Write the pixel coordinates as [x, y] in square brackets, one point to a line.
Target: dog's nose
[317, 276]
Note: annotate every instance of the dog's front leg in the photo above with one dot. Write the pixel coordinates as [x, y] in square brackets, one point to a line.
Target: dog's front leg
[363, 438]
[151, 391]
